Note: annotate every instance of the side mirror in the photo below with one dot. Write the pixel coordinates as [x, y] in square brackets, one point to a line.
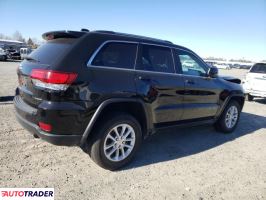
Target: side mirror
[213, 72]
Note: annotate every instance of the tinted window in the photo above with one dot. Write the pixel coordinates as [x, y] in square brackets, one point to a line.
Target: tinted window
[259, 68]
[191, 65]
[120, 55]
[50, 51]
[155, 58]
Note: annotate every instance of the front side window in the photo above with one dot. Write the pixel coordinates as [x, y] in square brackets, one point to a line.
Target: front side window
[116, 54]
[190, 64]
[156, 58]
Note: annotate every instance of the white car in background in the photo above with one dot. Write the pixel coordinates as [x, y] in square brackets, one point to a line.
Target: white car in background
[24, 52]
[221, 66]
[255, 82]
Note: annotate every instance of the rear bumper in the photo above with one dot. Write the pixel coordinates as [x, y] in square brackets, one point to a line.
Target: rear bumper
[62, 140]
[29, 117]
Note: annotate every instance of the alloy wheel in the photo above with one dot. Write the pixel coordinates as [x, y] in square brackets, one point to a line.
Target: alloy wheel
[119, 142]
[231, 117]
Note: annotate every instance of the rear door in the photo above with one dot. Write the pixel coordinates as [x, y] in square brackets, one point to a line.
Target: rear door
[158, 84]
[201, 94]
[111, 69]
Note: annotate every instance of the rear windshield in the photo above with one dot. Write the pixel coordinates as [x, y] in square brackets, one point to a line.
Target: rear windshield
[259, 68]
[51, 51]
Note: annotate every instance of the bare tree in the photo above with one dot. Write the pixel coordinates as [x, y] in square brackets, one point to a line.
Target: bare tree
[18, 36]
[30, 42]
[37, 41]
[2, 36]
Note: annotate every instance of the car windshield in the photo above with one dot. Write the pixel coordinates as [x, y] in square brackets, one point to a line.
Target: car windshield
[259, 68]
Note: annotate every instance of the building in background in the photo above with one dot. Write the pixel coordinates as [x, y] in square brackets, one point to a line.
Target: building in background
[12, 44]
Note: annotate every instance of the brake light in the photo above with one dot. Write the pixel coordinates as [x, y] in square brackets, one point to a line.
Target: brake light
[45, 127]
[51, 79]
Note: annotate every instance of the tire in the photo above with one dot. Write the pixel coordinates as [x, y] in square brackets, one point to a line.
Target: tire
[223, 124]
[100, 141]
[249, 97]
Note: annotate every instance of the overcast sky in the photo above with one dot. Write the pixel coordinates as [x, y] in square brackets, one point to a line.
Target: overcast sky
[228, 28]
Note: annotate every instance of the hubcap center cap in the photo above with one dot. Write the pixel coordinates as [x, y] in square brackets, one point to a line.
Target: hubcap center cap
[120, 142]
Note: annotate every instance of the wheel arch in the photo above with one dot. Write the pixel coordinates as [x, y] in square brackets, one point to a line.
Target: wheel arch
[240, 98]
[135, 107]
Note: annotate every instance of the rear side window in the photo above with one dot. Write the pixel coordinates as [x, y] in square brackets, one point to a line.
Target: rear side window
[52, 50]
[156, 58]
[116, 54]
[259, 68]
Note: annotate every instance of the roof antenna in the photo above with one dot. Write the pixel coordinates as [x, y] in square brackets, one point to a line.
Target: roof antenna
[85, 30]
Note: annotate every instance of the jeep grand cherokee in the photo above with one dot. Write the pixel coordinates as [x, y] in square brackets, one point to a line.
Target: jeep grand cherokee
[106, 91]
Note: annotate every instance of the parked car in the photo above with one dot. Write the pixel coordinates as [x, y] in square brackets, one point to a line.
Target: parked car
[3, 55]
[106, 91]
[255, 81]
[222, 66]
[241, 66]
[13, 54]
[245, 66]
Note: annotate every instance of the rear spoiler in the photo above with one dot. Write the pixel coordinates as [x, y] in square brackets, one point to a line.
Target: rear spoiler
[63, 34]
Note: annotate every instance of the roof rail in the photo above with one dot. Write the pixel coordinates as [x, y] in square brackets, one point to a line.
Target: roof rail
[168, 41]
[132, 35]
[104, 31]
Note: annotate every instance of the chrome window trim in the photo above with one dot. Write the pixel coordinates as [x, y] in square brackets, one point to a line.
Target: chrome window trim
[145, 71]
[134, 69]
[106, 42]
[154, 72]
[111, 68]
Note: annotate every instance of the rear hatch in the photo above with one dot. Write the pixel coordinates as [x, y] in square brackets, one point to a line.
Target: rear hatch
[256, 78]
[40, 76]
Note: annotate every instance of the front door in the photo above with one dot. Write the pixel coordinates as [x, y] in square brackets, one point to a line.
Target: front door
[201, 95]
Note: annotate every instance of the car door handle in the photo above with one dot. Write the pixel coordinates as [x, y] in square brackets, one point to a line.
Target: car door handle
[144, 78]
[190, 82]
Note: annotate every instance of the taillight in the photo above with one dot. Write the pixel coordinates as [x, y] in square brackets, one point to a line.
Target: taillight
[45, 127]
[50, 79]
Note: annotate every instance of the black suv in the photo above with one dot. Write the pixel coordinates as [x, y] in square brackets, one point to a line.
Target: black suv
[106, 91]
